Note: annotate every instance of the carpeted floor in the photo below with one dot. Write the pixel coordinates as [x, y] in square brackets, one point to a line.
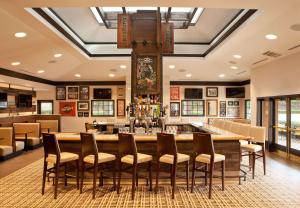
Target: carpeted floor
[23, 189]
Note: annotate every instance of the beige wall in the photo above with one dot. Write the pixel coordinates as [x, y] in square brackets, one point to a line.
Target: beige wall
[280, 77]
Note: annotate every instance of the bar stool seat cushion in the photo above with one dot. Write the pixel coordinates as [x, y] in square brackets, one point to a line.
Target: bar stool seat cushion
[252, 147]
[102, 158]
[243, 142]
[5, 150]
[31, 141]
[19, 145]
[170, 158]
[141, 158]
[64, 157]
[204, 158]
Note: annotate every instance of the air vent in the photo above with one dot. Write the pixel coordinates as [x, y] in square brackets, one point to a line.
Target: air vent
[232, 62]
[262, 60]
[271, 54]
[52, 61]
[113, 70]
[294, 47]
[181, 70]
[242, 72]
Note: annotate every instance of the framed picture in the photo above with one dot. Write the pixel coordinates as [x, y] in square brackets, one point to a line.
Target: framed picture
[80, 114]
[83, 105]
[236, 103]
[174, 109]
[212, 107]
[72, 93]
[61, 93]
[230, 103]
[192, 108]
[174, 93]
[67, 108]
[103, 108]
[222, 112]
[86, 114]
[121, 107]
[212, 92]
[121, 92]
[84, 92]
[233, 112]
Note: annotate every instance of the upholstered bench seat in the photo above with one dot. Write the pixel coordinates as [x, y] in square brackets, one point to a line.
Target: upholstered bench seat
[5, 150]
[19, 145]
[31, 141]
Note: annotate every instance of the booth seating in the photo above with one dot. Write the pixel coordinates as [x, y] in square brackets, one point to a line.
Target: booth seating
[29, 133]
[48, 125]
[6, 142]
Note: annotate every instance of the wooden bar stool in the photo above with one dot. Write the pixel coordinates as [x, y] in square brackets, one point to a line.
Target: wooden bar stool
[90, 155]
[167, 153]
[54, 156]
[204, 152]
[128, 154]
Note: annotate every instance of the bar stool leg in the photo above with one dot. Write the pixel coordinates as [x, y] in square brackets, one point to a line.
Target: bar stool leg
[193, 175]
[114, 175]
[66, 178]
[150, 174]
[134, 167]
[44, 177]
[101, 175]
[174, 180]
[211, 179]
[223, 175]
[187, 174]
[157, 176]
[171, 175]
[77, 174]
[253, 165]
[119, 177]
[95, 179]
[82, 176]
[56, 179]
[250, 162]
[264, 159]
[206, 170]
[137, 179]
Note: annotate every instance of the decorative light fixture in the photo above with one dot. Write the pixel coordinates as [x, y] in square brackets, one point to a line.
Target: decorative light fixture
[237, 56]
[172, 66]
[222, 75]
[271, 37]
[77, 75]
[234, 67]
[57, 55]
[40, 71]
[20, 35]
[188, 75]
[123, 66]
[111, 75]
[16, 63]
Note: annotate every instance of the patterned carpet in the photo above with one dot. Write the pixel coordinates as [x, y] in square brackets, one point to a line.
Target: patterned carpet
[23, 189]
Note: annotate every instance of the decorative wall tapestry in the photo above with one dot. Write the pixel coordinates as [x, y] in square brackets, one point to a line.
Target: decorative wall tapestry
[146, 74]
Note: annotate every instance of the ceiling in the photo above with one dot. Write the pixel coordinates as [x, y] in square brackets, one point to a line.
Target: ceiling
[36, 50]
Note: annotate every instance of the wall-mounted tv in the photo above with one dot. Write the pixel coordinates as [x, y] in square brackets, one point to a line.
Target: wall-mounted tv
[193, 93]
[102, 93]
[235, 92]
[3, 100]
[24, 101]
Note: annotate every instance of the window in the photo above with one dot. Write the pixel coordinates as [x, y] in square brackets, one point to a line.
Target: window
[192, 108]
[247, 109]
[103, 108]
[45, 107]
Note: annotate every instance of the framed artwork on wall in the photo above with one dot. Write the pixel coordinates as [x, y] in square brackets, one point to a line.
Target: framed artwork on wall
[80, 114]
[83, 105]
[67, 108]
[212, 107]
[86, 114]
[230, 103]
[222, 109]
[174, 109]
[84, 92]
[121, 107]
[192, 108]
[174, 93]
[233, 112]
[236, 103]
[211, 91]
[72, 93]
[60, 93]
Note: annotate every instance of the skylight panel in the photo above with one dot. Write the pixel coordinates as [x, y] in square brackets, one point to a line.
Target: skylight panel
[112, 9]
[134, 9]
[96, 14]
[197, 15]
[182, 9]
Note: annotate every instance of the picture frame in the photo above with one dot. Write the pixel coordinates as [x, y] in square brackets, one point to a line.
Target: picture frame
[174, 109]
[230, 103]
[192, 108]
[67, 108]
[174, 93]
[121, 108]
[83, 105]
[84, 92]
[222, 111]
[61, 93]
[236, 103]
[212, 107]
[212, 91]
[73, 93]
[86, 114]
[79, 114]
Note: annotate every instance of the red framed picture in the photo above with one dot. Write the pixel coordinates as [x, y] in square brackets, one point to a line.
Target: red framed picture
[67, 108]
[174, 93]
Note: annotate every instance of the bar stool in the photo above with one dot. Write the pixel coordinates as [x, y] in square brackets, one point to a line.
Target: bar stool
[167, 153]
[90, 155]
[128, 154]
[204, 153]
[54, 156]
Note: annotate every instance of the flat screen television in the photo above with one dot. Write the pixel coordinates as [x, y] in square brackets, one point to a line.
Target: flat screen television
[235, 92]
[3, 100]
[102, 93]
[24, 101]
[193, 93]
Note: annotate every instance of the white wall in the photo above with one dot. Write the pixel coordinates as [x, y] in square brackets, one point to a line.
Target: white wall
[280, 77]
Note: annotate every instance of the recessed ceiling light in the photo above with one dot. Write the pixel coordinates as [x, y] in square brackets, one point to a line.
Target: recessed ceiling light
[222, 75]
[111, 75]
[16, 63]
[57, 55]
[123, 66]
[20, 35]
[188, 75]
[40, 71]
[271, 37]
[234, 67]
[172, 66]
[237, 56]
[77, 75]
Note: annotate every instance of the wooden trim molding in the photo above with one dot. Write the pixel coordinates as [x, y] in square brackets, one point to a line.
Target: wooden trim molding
[210, 83]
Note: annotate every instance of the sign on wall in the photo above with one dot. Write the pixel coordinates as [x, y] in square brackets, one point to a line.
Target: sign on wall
[124, 31]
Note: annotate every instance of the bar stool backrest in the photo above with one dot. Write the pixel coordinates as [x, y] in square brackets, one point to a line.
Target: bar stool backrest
[127, 145]
[51, 145]
[203, 144]
[89, 145]
[166, 144]
[258, 133]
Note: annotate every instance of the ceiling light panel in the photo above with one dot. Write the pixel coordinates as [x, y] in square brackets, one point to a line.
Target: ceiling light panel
[96, 14]
[197, 15]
